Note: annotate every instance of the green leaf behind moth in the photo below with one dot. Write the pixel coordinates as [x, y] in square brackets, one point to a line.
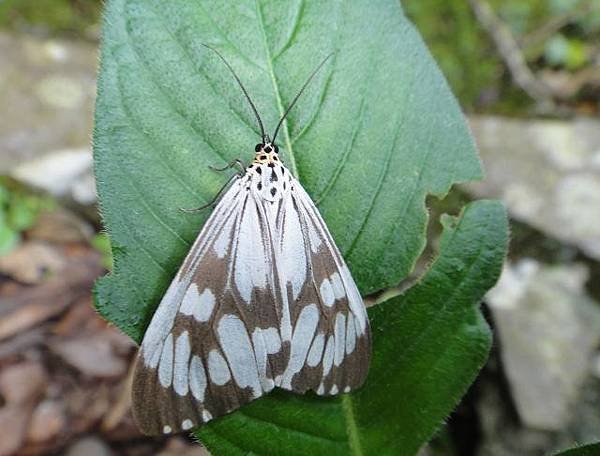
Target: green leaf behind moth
[375, 133]
[377, 130]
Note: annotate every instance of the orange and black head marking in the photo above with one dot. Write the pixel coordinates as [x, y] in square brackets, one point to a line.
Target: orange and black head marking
[266, 153]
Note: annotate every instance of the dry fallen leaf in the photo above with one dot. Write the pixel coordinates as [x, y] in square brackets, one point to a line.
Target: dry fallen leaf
[47, 421]
[23, 383]
[92, 356]
[32, 262]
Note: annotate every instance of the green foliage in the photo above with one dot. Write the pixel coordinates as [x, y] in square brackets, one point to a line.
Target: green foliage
[377, 131]
[593, 449]
[101, 243]
[52, 15]
[459, 45]
[18, 212]
[471, 61]
[570, 53]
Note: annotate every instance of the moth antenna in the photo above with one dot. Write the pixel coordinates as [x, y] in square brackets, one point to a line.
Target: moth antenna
[252, 105]
[312, 75]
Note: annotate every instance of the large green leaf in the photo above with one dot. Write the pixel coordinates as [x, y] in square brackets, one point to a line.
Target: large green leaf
[376, 132]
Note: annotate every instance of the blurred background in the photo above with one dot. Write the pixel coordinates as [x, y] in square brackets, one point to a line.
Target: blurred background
[527, 74]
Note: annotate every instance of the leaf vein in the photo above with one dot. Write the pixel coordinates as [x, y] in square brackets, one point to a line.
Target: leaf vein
[409, 201]
[240, 54]
[170, 101]
[353, 434]
[380, 181]
[153, 213]
[152, 146]
[341, 163]
[293, 30]
[317, 111]
[130, 181]
[226, 37]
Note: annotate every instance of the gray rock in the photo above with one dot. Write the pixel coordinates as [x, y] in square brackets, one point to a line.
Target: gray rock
[549, 330]
[504, 435]
[64, 173]
[89, 446]
[47, 91]
[547, 172]
[501, 434]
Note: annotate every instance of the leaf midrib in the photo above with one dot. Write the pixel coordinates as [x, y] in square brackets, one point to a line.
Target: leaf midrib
[269, 58]
[346, 400]
[352, 428]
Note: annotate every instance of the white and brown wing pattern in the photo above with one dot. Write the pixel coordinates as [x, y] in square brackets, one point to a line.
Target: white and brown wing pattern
[330, 353]
[263, 299]
[205, 351]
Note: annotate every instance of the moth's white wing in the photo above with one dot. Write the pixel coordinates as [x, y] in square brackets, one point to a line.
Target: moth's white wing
[263, 299]
[331, 344]
[214, 342]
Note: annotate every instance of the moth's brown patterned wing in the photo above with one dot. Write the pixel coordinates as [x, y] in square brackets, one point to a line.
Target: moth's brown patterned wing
[331, 353]
[263, 299]
[214, 342]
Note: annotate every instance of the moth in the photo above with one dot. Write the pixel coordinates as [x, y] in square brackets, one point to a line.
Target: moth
[264, 299]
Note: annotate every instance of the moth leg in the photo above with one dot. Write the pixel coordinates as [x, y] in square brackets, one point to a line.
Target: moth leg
[237, 162]
[217, 197]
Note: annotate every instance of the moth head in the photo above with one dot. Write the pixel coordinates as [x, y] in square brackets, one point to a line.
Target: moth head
[266, 152]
